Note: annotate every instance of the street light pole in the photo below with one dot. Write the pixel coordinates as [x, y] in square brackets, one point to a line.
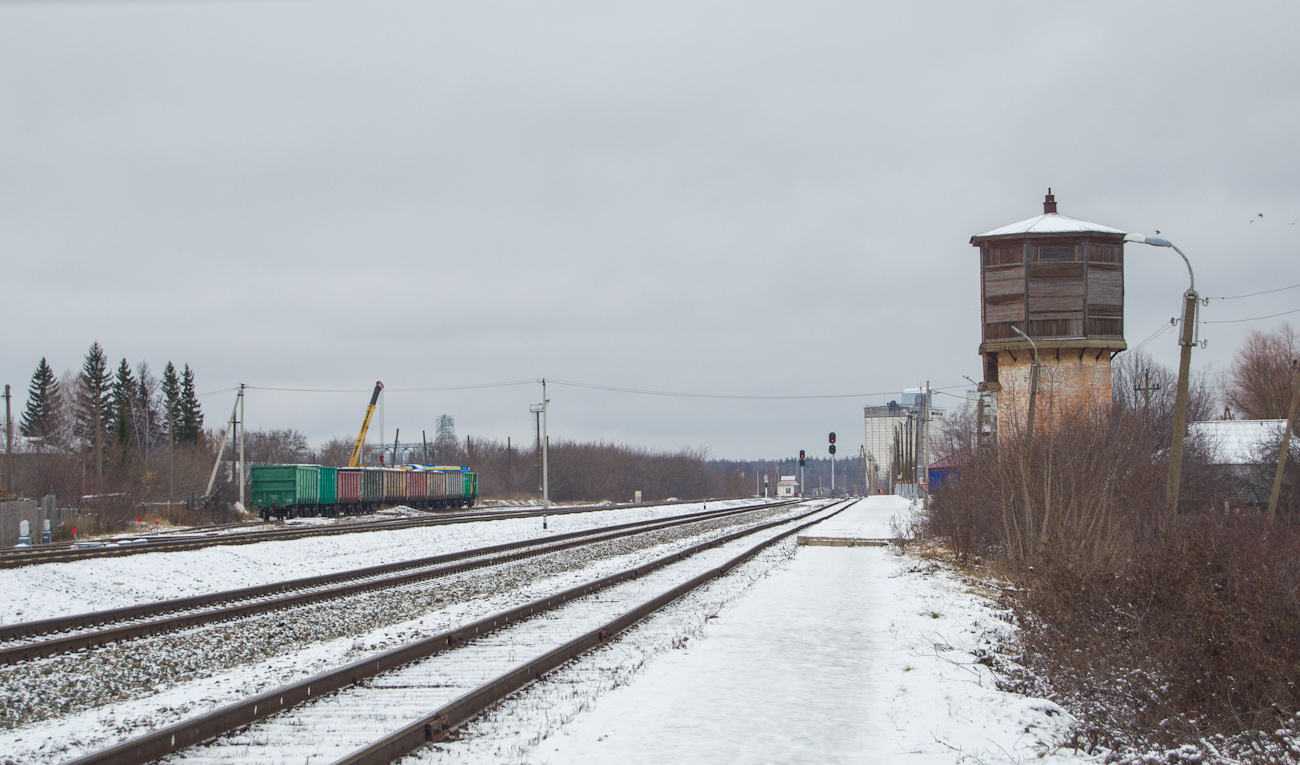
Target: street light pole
[1035, 370]
[1173, 480]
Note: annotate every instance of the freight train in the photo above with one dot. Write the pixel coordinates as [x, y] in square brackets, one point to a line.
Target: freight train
[291, 491]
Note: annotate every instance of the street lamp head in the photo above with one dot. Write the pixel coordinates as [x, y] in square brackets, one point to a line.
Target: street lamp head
[1154, 241]
[1030, 339]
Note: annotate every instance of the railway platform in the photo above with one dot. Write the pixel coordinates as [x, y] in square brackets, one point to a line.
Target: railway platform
[862, 655]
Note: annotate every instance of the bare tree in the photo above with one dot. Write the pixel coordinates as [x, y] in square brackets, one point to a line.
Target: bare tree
[335, 452]
[1258, 384]
[274, 447]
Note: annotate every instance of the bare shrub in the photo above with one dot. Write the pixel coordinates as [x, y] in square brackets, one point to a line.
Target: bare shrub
[1154, 636]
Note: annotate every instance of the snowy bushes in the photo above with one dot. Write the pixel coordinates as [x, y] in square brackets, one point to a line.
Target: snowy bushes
[1154, 638]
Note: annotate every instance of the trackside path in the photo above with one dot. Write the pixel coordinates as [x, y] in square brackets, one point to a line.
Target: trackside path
[848, 655]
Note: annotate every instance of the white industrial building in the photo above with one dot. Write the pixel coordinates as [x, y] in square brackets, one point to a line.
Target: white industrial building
[889, 433]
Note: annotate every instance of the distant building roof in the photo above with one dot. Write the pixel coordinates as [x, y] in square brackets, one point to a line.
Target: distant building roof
[1236, 442]
[1051, 223]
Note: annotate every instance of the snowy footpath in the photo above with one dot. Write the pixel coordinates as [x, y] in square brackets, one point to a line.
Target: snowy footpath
[842, 655]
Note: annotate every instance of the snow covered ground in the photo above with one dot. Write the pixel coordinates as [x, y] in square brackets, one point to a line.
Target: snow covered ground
[74, 587]
[872, 518]
[804, 654]
[120, 690]
[836, 654]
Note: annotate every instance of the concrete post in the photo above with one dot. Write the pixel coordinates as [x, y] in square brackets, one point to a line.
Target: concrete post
[1174, 478]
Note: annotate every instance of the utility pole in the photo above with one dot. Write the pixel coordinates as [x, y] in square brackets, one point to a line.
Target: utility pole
[1173, 482]
[171, 449]
[1145, 390]
[242, 464]
[925, 447]
[9, 444]
[1286, 443]
[862, 455]
[227, 434]
[424, 439]
[536, 409]
[397, 435]
[546, 447]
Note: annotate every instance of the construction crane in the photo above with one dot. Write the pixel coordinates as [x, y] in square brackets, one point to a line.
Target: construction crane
[355, 459]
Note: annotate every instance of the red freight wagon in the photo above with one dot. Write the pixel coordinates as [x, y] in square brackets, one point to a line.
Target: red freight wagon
[417, 487]
[349, 486]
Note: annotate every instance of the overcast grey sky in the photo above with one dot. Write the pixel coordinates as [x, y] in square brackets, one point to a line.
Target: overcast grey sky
[740, 198]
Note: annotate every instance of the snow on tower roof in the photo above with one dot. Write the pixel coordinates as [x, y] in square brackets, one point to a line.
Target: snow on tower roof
[1050, 222]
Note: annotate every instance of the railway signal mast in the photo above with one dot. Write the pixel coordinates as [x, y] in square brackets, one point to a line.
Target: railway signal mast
[832, 463]
[801, 458]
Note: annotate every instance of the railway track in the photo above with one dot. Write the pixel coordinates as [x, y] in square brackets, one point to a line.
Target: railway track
[62, 552]
[72, 633]
[421, 692]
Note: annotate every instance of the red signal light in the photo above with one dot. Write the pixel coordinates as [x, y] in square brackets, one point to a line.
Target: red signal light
[832, 438]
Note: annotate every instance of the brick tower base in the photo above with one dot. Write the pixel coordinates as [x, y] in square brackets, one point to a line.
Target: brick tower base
[1073, 382]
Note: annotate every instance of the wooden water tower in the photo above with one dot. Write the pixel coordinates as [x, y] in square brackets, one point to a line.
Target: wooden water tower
[1059, 280]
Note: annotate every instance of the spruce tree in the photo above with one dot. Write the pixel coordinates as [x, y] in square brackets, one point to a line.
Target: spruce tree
[171, 393]
[191, 428]
[95, 383]
[41, 417]
[124, 395]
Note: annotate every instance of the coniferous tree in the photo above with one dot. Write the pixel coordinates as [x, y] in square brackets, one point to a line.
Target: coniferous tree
[124, 398]
[171, 395]
[94, 405]
[40, 420]
[191, 414]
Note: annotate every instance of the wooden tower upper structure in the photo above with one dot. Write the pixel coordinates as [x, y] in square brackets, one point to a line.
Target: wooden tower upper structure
[1059, 280]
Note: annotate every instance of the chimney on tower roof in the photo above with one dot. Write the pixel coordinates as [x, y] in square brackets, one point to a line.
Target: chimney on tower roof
[1049, 203]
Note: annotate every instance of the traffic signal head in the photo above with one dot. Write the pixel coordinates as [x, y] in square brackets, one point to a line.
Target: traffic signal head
[832, 448]
[801, 454]
[832, 438]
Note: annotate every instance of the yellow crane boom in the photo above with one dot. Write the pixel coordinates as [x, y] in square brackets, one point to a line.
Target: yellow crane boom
[355, 459]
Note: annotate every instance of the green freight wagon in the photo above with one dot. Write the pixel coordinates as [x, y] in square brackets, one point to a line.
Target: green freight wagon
[329, 488]
[469, 482]
[285, 491]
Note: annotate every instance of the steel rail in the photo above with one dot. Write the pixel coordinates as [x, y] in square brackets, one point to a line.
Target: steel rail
[60, 552]
[187, 733]
[483, 557]
[442, 722]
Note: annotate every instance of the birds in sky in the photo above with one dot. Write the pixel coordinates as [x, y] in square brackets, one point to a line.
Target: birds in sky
[1258, 216]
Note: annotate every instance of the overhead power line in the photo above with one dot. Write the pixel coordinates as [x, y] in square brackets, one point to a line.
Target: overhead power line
[679, 394]
[1153, 336]
[1253, 294]
[1253, 318]
[395, 390]
[589, 386]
